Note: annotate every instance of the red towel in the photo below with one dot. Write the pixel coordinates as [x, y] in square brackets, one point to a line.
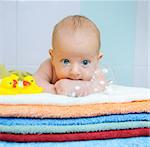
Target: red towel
[75, 136]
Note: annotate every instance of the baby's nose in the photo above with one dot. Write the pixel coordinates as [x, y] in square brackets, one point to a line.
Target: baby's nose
[75, 71]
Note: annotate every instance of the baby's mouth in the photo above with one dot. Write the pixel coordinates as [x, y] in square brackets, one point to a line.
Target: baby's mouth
[74, 79]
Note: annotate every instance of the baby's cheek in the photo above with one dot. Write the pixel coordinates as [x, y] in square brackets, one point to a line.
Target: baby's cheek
[61, 74]
[87, 75]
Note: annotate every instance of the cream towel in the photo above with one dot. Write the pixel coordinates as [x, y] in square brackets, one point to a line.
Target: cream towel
[113, 93]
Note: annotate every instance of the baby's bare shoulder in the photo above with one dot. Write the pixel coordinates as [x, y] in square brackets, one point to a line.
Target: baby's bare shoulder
[47, 63]
[45, 69]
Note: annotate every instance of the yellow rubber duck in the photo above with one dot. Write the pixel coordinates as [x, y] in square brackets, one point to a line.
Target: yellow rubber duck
[30, 86]
[9, 85]
[17, 82]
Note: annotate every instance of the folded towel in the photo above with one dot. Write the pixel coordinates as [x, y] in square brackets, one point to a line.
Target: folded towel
[34, 129]
[75, 121]
[53, 111]
[75, 136]
[128, 142]
[113, 94]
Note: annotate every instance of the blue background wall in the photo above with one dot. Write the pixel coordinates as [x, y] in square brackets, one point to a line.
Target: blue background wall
[117, 23]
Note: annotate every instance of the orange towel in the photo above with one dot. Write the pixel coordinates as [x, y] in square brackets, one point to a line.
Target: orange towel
[56, 111]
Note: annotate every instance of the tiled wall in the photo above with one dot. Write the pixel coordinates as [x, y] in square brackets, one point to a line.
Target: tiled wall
[26, 26]
[149, 46]
[141, 65]
[25, 30]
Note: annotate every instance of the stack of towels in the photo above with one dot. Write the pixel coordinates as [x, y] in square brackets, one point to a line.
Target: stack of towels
[119, 112]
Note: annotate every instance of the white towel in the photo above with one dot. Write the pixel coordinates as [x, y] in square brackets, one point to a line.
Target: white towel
[114, 93]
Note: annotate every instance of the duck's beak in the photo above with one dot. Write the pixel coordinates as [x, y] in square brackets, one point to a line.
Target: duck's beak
[14, 83]
[26, 83]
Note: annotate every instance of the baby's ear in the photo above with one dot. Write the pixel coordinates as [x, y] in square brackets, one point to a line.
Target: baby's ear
[100, 55]
[51, 53]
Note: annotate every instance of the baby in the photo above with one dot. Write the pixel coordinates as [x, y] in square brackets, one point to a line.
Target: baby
[72, 69]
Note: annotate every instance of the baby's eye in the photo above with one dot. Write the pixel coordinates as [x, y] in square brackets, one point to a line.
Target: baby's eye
[65, 61]
[85, 62]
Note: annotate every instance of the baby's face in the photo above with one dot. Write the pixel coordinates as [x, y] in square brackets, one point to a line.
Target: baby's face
[75, 55]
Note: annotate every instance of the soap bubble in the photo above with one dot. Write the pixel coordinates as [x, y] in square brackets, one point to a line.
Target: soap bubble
[74, 92]
[109, 77]
[93, 78]
[105, 70]
[77, 87]
[108, 81]
[102, 82]
[109, 74]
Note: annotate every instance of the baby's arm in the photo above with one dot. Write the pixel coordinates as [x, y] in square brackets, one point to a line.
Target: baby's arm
[80, 87]
[43, 77]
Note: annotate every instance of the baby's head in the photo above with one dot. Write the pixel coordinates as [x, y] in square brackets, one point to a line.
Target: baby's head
[75, 48]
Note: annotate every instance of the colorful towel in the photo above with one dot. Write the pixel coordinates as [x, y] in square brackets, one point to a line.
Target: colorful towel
[75, 136]
[75, 121]
[128, 142]
[34, 129]
[53, 111]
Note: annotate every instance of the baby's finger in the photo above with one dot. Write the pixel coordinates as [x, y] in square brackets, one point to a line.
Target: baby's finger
[81, 94]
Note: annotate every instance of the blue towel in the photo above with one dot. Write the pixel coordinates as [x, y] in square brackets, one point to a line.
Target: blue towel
[76, 121]
[124, 142]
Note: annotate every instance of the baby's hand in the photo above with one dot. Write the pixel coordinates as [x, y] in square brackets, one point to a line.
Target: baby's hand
[74, 88]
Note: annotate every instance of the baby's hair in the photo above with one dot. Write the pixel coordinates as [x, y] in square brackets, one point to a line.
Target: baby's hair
[76, 22]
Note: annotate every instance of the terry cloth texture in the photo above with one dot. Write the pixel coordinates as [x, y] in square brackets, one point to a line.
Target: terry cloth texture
[75, 121]
[128, 142]
[56, 111]
[34, 129]
[113, 94]
[75, 136]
